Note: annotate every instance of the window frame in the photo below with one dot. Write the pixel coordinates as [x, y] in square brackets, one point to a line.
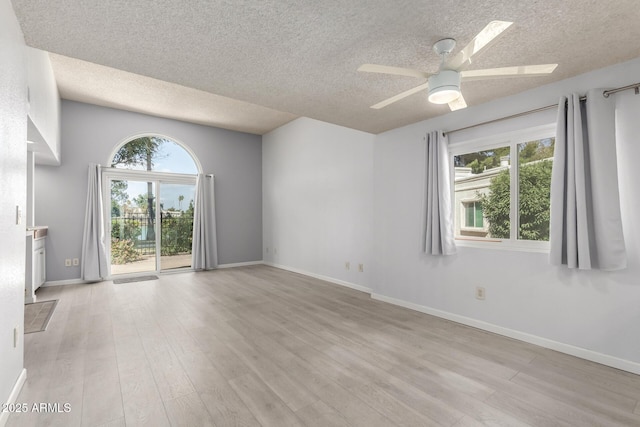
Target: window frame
[469, 201]
[176, 141]
[510, 139]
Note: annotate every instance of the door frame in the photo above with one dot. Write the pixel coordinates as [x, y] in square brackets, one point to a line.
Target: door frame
[117, 174]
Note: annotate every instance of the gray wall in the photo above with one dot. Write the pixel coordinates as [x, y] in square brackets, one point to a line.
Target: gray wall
[90, 134]
[13, 186]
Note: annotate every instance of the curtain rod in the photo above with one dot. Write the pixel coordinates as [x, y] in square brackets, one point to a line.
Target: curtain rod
[606, 94]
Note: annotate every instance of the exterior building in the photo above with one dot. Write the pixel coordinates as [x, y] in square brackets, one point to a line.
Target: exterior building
[469, 218]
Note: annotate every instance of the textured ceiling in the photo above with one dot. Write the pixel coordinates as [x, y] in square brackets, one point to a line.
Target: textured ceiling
[301, 56]
[96, 84]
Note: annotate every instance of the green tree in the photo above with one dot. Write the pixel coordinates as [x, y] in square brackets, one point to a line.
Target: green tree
[142, 152]
[177, 232]
[536, 150]
[496, 205]
[119, 196]
[139, 152]
[481, 160]
[180, 199]
[534, 202]
[142, 201]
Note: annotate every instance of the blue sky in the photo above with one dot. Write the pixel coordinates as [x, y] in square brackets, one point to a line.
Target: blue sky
[171, 158]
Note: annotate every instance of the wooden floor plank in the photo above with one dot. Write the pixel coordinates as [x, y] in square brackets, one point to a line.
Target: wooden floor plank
[259, 346]
[319, 414]
[188, 411]
[265, 405]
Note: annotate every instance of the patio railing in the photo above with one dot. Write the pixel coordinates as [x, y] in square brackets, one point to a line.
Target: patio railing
[176, 232]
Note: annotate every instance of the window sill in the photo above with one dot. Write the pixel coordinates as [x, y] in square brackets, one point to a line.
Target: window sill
[503, 245]
[467, 229]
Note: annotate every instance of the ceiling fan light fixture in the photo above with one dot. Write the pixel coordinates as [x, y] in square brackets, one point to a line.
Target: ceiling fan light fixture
[444, 87]
[443, 95]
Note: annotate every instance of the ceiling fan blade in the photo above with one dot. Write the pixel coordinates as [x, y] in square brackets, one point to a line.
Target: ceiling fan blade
[506, 72]
[484, 38]
[400, 96]
[385, 69]
[458, 104]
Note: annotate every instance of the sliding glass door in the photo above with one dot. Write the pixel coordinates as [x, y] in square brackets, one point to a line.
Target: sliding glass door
[176, 224]
[133, 226]
[150, 221]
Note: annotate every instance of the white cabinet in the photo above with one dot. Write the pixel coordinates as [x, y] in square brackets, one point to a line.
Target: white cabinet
[39, 263]
[36, 272]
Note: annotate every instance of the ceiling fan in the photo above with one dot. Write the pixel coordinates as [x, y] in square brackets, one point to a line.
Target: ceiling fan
[444, 86]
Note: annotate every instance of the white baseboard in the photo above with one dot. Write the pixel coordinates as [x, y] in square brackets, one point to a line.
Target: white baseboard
[241, 264]
[64, 282]
[82, 282]
[604, 359]
[13, 396]
[321, 277]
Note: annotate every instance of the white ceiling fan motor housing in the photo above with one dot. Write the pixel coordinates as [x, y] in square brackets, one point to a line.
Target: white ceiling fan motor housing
[444, 87]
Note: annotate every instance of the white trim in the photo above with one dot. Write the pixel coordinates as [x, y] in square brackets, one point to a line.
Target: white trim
[141, 175]
[604, 359]
[240, 264]
[503, 244]
[321, 277]
[508, 139]
[146, 273]
[64, 282]
[13, 396]
[158, 179]
[502, 139]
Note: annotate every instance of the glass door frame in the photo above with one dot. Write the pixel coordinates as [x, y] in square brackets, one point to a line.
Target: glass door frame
[117, 174]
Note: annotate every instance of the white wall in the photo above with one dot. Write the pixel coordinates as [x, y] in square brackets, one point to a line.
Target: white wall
[595, 312]
[13, 169]
[318, 199]
[44, 108]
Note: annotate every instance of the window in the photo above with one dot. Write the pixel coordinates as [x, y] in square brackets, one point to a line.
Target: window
[154, 153]
[498, 200]
[473, 215]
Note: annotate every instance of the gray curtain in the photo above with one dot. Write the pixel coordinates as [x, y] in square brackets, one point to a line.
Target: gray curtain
[94, 265]
[586, 227]
[205, 246]
[439, 229]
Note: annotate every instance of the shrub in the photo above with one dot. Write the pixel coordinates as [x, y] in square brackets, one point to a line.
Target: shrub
[123, 251]
[125, 228]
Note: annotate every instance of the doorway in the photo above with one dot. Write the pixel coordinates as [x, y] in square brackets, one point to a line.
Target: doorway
[149, 193]
[150, 224]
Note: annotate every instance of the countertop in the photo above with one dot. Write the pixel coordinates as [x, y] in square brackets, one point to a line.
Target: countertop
[37, 231]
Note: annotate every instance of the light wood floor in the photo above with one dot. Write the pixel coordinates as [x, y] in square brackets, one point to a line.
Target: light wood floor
[258, 346]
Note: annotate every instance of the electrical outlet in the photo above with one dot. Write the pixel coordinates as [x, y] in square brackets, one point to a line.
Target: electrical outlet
[480, 293]
[361, 268]
[76, 261]
[18, 215]
[347, 265]
[67, 262]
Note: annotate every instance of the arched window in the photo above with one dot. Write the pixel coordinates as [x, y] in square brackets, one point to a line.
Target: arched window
[154, 153]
